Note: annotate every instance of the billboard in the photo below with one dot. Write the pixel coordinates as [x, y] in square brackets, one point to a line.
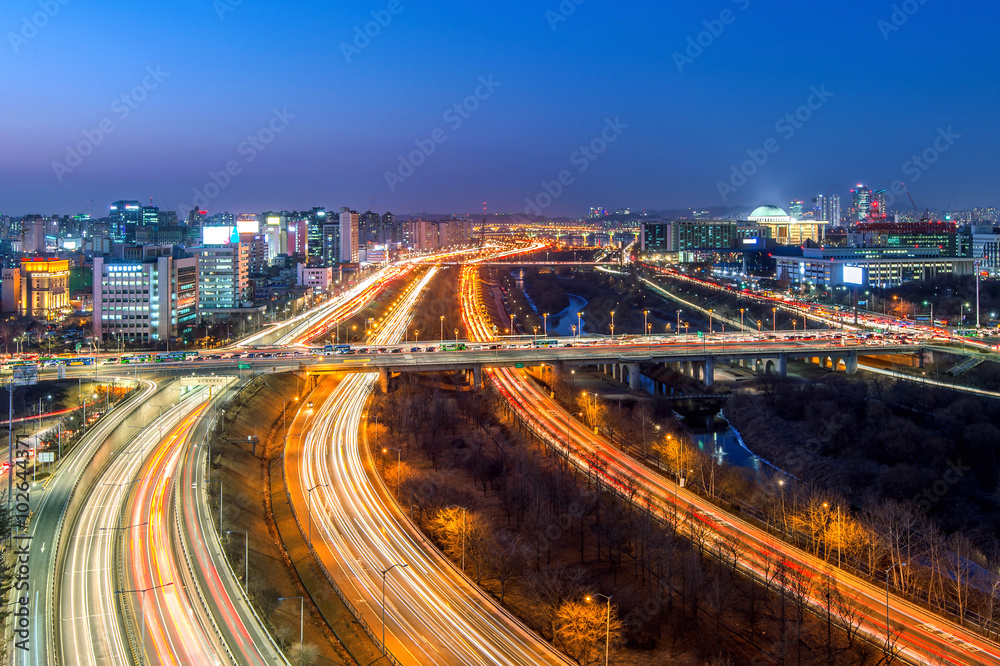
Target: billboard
[854, 275]
[25, 375]
[248, 226]
[216, 235]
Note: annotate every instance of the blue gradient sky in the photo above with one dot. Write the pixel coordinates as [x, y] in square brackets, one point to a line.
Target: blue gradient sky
[607, 60]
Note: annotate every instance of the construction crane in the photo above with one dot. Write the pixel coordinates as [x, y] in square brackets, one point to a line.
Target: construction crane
[927, 213]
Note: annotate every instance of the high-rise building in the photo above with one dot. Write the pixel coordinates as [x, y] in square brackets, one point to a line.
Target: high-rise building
[349, 221]
[223, 277]
[833, 210]
[391, 232]
[317, 218]
[125, 217]
[369, 226]
[276, 235]
[150, 216]
[820, 207]
[877, 205]
[795, 209]
[145, 299]
[331, 244]
[861, 201]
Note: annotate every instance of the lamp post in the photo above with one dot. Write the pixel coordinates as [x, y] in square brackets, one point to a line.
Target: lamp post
[399, 453]
[309, 491]
[441, 337]
[710, 313]
[774, 320]
[246, 557]
[742, 327]
[142, 613]
[579, 324]
[384, 573]
[302, 613]
[607, 637]
[932, 312]
[612, 328]
[545, 325]
[887, 632]
[512, 329]
[645, 319]
[464, 512]
[678, 321]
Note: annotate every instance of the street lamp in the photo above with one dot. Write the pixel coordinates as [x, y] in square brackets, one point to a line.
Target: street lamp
[246, 557]
[399, 453]
[678, 321]
[645, 319]
[545, 325]
[142, 613]
[932, 312]
[774, 320]
[442, 328]
[302, 613]
[607, 638]
[464, 511]
[384, 573]
[887, 632]
[579, 324]
[612, 327]
[309, 502]
[710, 313]
[742, 327]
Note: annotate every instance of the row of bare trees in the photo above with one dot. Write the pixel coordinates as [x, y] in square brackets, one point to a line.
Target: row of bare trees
[544, 536]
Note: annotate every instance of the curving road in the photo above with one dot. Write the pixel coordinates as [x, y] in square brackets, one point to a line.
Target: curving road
[433, 613]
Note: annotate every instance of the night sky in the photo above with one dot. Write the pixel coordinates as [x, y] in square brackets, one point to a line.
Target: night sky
[331, 113]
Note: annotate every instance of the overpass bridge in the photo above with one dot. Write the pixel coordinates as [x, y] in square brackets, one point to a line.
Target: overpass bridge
[532, 263]
[622, 361]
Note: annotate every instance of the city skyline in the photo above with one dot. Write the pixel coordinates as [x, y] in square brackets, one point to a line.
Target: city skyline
[688, 102]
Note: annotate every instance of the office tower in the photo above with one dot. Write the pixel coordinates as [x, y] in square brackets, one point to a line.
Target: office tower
[833, 210]
[223, 276]
[391, 233]
[820, 207]
[861, 200]
[331, 244]
[317, 219]
[369, 226]
[795, 209]
[877, 204]
[125, 217]
[150, 216]
[349, 221]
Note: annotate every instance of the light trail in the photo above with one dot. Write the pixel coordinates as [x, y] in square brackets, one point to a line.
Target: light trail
[925, 637]
[433, 613]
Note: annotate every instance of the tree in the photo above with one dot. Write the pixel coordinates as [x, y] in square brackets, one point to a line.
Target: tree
[306, 654]
[551, 588]
[584, 627]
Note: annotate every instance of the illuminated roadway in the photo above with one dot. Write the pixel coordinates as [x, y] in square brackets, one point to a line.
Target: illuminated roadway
[925, 638]
[90, 628]
[433, 613]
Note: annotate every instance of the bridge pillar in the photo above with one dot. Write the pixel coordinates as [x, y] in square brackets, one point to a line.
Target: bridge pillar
[782, 365]
[557, 371]
[687, 369]
[633, 376]
[477, 377]
[852, 363]
[709, 371]
[383, 379]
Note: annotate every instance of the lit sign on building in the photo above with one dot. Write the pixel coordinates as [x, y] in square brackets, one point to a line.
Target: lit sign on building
[216, 235]
[854, 275]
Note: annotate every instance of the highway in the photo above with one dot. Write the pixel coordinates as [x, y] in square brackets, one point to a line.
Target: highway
[433, 613]
[925, 637]
[90, 626]
[51, 500]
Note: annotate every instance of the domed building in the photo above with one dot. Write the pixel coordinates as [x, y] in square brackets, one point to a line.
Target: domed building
[786, 229]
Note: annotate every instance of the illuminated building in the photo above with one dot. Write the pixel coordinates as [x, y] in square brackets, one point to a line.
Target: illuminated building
[349, 222]
[125, 217]
[861, 201]
[44, 288]
[786, 230]
[145, 300]
[874, 267]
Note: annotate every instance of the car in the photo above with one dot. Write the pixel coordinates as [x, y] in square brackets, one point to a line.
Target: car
[381, 350]
[309, 404]
[397, 350]
[364, 350]
[414, 349]
[430, 349]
